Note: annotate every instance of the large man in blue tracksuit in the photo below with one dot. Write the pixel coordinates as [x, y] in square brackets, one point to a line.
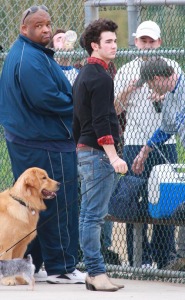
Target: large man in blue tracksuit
[36, 112]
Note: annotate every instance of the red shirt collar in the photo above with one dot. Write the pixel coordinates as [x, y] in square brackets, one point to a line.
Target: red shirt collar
[95, 60]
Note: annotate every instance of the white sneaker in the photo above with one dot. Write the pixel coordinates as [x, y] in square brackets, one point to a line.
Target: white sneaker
[146, 266]
[74, 277]
[41, 276]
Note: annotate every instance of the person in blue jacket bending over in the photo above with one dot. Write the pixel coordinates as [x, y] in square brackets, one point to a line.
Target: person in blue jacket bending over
[164, 80]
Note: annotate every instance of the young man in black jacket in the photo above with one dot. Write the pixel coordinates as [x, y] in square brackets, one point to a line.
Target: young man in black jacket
[95, 128]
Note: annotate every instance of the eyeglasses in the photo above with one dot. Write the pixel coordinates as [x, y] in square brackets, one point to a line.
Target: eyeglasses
[34, 9]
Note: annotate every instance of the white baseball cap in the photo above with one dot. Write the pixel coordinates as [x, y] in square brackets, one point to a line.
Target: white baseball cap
[148, 28]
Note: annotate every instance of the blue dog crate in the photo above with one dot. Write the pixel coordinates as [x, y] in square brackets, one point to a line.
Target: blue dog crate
[166, 190]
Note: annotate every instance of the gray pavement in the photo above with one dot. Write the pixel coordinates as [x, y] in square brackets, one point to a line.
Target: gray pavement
[134, 290]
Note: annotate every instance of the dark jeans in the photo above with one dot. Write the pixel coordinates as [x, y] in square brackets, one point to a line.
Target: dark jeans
[58, 232]
[163, 240]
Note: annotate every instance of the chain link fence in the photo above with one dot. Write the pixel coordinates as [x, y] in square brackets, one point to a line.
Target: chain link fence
[65, 14]
[135, 250]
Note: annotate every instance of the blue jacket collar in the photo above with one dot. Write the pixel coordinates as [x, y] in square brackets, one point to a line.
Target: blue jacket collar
[36, 45]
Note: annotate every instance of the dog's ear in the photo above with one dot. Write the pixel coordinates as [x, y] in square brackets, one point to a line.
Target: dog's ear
[31, 180]
[31, 183]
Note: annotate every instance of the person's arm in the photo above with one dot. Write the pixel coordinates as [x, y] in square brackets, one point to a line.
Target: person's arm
[121, 100]
[158, 138]
[119, 87]
[101, 103]
[138, 164]
[122, 94]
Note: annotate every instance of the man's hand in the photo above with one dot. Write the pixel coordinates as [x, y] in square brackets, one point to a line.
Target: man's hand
[155, 97]
[119, 165]
[138, 164]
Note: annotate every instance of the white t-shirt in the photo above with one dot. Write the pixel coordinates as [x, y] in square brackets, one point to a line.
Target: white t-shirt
[141, 117]
[70, 72]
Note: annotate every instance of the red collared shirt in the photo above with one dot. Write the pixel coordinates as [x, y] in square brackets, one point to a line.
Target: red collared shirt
[95, 60]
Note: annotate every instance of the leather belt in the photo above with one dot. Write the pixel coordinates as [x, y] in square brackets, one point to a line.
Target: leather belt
[84, 148]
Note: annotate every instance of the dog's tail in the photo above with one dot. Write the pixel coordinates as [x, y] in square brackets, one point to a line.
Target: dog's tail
[31, 278]
[29, 259]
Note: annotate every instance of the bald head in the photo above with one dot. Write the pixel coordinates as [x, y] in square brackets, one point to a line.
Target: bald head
[36, 24]
[31, 10]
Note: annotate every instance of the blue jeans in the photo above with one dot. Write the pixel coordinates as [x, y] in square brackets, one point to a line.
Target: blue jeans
[97, 182]
[163, 240]
[107, 234]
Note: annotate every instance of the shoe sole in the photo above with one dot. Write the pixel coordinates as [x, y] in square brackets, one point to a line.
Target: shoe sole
[64, 281]
[40, 280]
[91, 287]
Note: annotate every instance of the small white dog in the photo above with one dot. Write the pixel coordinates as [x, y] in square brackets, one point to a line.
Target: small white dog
[17, 271]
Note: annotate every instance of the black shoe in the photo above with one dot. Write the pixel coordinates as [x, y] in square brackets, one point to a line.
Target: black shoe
[111, 257]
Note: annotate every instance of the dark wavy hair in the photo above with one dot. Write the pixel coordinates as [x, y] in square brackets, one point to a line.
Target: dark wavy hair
[93, 31]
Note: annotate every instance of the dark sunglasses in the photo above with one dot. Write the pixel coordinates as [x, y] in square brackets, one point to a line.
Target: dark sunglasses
[33, 10]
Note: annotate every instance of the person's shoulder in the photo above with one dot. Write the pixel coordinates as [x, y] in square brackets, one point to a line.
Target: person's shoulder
[14, 53]
[174, 64]
[94, 73]
[169, 61]
[16, 45]
[31, 48]
[94, 69]
[129, 66]
[34, 54]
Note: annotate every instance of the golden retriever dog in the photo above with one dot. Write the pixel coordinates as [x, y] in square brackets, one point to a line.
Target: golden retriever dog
[19, 211]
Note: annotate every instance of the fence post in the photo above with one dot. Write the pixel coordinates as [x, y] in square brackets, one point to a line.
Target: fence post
[137, 245]
[132, 11]
[91, 13]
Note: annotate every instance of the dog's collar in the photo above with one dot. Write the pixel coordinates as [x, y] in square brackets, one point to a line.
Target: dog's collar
[22, 203]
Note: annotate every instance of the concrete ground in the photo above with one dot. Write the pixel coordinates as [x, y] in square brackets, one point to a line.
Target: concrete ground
[134, 290]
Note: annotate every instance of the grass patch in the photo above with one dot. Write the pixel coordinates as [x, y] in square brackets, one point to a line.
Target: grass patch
[6, 175]
[181, 153]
